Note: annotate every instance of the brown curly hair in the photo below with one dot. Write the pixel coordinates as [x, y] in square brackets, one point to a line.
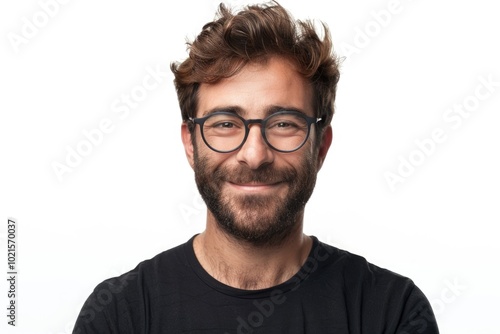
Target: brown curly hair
[227, 44]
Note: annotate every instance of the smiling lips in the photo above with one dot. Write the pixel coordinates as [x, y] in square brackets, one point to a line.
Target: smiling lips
[254, 186]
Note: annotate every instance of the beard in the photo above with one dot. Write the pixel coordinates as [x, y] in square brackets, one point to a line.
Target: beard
[259, 219]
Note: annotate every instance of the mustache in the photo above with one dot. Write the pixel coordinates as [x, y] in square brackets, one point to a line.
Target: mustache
[264, 174]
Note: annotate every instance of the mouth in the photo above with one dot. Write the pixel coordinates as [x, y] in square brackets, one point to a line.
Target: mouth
[254, 186]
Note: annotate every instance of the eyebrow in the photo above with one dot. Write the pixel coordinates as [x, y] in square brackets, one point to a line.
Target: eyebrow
[232, 109]
[242, 112]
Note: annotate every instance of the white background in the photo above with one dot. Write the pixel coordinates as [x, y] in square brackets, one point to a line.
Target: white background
[134, 195]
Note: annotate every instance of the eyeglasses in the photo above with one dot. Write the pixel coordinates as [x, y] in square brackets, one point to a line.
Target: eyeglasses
[283, 131]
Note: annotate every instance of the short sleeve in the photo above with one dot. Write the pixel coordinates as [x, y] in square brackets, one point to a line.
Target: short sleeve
[417, 316]
[106, 309]
[93, 317]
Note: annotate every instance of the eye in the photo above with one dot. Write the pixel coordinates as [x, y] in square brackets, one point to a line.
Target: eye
[225, 124]
[285, 123]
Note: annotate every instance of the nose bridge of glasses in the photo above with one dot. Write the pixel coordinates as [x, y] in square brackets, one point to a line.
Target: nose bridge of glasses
[255, 148]
[249, 122]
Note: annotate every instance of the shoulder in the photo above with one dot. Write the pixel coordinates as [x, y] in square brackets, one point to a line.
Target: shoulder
[151, 269]
[382, 293]
[355, 268]
[109, 301]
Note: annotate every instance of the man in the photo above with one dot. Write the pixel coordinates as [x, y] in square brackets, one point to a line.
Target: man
[257, 96]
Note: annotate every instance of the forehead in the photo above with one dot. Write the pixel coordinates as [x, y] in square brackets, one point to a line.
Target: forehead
[258, 89]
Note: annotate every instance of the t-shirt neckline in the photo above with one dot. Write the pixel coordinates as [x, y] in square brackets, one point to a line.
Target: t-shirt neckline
[284, 287]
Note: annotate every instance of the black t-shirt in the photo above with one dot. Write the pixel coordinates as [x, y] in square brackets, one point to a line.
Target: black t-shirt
[334, 292]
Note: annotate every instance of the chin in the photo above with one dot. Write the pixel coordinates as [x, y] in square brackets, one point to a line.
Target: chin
[257, 221]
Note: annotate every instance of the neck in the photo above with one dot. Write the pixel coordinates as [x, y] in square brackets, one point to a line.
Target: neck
[247, 266]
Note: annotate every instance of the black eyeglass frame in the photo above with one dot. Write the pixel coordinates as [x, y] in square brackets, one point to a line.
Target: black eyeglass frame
[263, 122]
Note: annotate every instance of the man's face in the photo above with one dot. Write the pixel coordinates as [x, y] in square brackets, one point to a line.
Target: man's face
[255, 193]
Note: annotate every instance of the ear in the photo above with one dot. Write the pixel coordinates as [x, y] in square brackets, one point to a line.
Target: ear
[326, 141]
[188, 143]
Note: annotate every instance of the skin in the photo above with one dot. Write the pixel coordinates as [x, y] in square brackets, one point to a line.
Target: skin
[234, 261]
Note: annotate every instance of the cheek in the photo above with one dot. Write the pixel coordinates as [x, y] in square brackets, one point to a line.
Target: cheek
[212, 160]
[299, 162]
[306, 154]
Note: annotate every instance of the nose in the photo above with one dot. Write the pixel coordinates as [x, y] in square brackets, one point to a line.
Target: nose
[255, 152]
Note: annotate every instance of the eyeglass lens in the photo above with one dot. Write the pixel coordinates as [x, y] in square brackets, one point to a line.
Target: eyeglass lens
[284, 132]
